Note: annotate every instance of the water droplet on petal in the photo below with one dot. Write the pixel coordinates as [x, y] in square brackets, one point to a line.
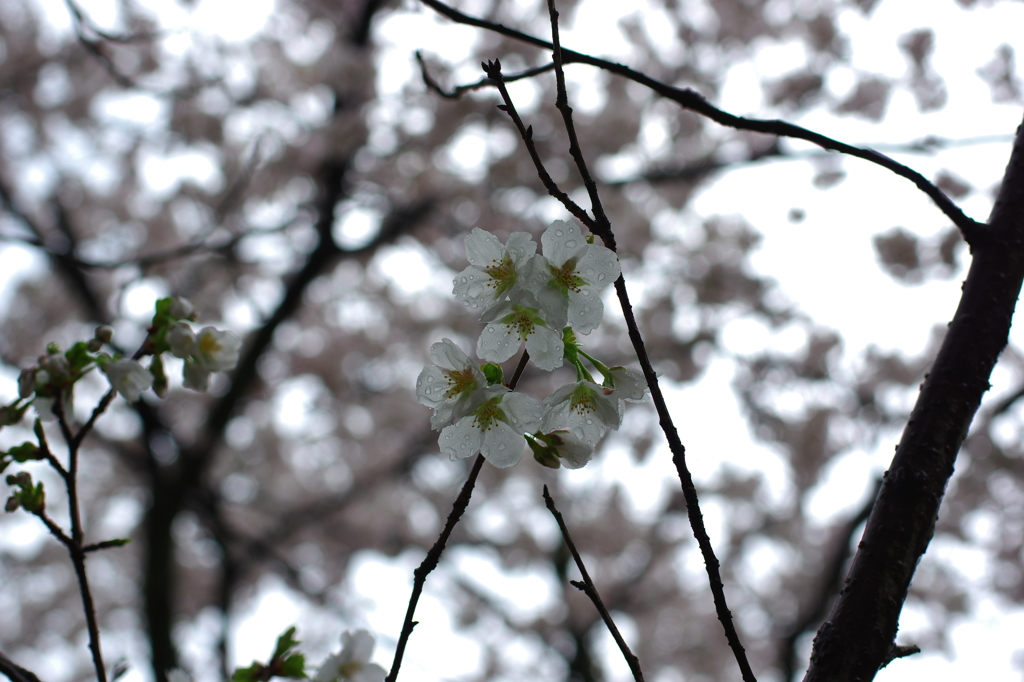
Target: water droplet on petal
[578, 432]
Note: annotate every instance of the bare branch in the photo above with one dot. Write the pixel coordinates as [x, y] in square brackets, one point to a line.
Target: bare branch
[587, 587]
[694, 101]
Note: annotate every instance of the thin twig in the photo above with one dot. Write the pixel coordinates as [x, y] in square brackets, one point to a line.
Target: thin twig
[694, 101]
[15, 672]
[493, 71]
[430, 563]
[587, 587]
[460, 90]
[434, 555]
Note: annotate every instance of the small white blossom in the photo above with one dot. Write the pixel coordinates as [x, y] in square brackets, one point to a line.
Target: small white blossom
[196, 377]
[128, 377]
[352, 663]
[493, 270]
[453, 386]
[495, 429]
[216, 351]
[578, 272]
[508, 324]
[181, 339]
[586, 409]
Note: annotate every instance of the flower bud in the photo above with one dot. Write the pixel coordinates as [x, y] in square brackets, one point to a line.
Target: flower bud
[181, 308]
[27, 382]
[104, 334]
[57, 366]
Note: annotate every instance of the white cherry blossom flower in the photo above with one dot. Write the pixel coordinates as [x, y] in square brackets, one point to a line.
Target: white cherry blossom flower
[216, 351]
[494, 268]
[495, 429]
[508, 324]
[453, 386]
[181, 339]
[352, 663]
[578, 272]
[128, 377]
[585, 409]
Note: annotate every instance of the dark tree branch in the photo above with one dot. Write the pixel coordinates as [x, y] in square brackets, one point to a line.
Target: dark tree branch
[858, 637]
[430, 563]
[493, 71]
[694, 101]
[460, 90]
[829, 583]
[601, 226]
[14, 672]
[587, 587]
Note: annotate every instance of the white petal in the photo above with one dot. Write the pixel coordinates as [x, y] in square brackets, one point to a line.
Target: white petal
[482, 248]
[357, 645]
[562, 241]
[471, 288]
[585, 310]
[329, 669]
[630, 384]
[503, 445]
[498, 342]
[599, 266]
[446, 354]
[462, 439]
[545, 347]
[431, 386]
[370, 673]
[522, 411]
[520, 247]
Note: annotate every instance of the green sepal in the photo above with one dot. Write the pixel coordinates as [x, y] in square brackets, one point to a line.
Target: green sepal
[79, 358]
[493, 373]
[52, 348]
[156, 368]
[543, 452]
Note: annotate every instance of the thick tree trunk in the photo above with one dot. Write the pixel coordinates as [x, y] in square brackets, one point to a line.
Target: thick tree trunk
[859, 636]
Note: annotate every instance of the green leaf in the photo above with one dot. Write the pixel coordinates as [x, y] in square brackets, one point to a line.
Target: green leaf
[251, 674]
[285, 642]
[294, 667]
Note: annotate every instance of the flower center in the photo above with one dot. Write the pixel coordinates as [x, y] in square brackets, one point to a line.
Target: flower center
[502, 274]
[565, 277]
[522, 320]
[487, 414]
[459, 381]
[582, 400]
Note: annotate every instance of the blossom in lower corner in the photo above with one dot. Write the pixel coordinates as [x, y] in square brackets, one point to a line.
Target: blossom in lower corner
[495, 428]
[128, 377]
[585, 409]
[452, 386]
[352, 663]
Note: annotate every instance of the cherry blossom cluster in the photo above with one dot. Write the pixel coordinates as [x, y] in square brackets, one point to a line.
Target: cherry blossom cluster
[49, 385]
[542, 300]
